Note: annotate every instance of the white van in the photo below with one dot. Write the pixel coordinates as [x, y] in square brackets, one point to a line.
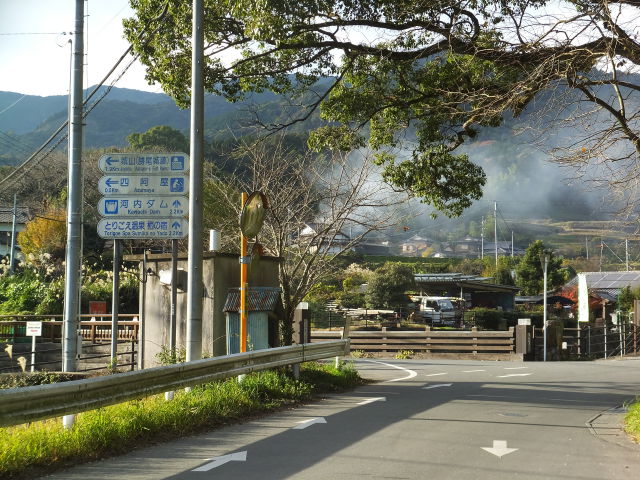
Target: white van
[437, 310]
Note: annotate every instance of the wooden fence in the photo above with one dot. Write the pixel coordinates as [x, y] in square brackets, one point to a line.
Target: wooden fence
[473, 343]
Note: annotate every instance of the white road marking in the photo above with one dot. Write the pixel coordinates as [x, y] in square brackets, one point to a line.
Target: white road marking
[428, 387]
[435, 374]
[472, 371]
[218, 461]
[499, 448]
[307, 423]
[513, 375]
[515, 368]
[371, 400]
[411, 373]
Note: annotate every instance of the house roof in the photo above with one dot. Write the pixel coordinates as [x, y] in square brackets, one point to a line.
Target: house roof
[22, 214]
[474, 282]
[608, 280]
[259, 299]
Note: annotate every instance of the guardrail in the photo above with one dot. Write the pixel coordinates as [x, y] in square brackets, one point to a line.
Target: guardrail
[27, 404]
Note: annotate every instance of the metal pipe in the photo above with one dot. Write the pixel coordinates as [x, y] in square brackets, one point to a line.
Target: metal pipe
[194, 267]
[115, 301]
[12, 253]
[244, 285]
[544, 309]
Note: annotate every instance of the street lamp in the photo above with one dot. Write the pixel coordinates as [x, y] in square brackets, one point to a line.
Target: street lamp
[545, 256]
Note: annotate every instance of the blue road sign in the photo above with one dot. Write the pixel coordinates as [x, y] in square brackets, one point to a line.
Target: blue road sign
[144, 206]
[154, 185]
[141, 227]
[144, 163]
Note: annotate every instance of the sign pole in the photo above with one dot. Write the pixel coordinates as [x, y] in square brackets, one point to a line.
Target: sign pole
[194, 264]
[174, 297]
[115, 301]
[243, 285]
[34, 329]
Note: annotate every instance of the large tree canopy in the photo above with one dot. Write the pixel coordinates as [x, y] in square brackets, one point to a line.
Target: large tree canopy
[444, 68]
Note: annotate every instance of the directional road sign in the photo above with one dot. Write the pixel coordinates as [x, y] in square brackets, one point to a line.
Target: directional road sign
[154, 185]
[144, 206]
[143, 227]
[141, 163]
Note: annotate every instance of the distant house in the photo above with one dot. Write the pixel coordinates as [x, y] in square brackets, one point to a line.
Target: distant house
[6, 221]
[504, 249]
[468, 247]
[602, 286]
[321, 236]
[415, 245]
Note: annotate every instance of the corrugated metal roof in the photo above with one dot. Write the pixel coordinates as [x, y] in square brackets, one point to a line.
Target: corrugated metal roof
[259, 299]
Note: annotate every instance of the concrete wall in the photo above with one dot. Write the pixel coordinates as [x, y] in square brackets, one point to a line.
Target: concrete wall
[221, 271]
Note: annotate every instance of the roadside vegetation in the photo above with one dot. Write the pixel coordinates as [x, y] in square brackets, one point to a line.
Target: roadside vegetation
[36, 448]
[632, 421]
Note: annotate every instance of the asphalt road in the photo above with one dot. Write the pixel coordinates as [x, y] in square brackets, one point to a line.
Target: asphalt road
[421, 420]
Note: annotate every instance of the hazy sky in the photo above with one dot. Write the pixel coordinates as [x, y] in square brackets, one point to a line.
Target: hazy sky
[34, 52]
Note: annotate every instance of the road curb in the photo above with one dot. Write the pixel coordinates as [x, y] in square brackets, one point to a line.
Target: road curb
[608, 426]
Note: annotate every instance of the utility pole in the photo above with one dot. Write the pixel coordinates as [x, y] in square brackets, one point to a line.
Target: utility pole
[626, 253]
[601, 252]
[482, 239]
[12, 252]
[73, 254]
[586, 246]
[194, 264]
[495, 229]
[511, 244]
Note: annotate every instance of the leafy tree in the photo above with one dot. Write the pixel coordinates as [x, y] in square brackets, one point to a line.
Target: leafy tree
[447, 68]
[45, 234]
[161, 136]
[388, 286]
[529, 272]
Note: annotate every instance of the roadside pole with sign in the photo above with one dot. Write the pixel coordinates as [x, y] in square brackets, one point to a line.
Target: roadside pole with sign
[144, 197]
[34, 329]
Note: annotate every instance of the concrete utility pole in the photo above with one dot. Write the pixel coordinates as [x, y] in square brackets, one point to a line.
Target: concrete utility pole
[74, 203]
[482, 239]
[626, 253]
[12, 253]
[194, 265]
[495, 229]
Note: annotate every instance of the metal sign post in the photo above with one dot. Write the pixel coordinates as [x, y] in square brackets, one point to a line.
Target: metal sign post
[115, 301]
[244, 285]
[34, 329]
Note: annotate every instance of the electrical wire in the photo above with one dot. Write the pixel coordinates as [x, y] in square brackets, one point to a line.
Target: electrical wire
[21, 170]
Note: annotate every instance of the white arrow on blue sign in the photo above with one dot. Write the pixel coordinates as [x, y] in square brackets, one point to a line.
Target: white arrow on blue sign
[143, 185]
[144, 206]
[141, 163]
[136, 228]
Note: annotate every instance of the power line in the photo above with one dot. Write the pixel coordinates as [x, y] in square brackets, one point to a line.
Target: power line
[35, 33]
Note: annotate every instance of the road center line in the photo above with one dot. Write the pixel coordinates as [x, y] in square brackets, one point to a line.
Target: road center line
[515, 368]
[472, 371]
[410, 373]
[513, 375]
[435, 374]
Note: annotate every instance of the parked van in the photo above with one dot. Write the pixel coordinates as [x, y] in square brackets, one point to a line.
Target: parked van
[438, 310]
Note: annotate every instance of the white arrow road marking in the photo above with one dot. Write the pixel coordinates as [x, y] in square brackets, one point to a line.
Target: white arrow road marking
[409, 375]
[471, 371]
[499, 448]
[515, 368]
[436, 386]
[371, 400]
[514, 375]
[435, 374]
[218, 461]
[307, 423]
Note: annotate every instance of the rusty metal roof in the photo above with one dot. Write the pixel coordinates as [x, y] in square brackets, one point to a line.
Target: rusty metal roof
[22, 214]
[259, 299]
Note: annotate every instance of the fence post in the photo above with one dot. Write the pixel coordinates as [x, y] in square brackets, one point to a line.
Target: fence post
[589, 339]
[605, 338]
[427, 339]
[475, 340]
[384, 330]
[635, 342]
[133, 355]
[93, 333]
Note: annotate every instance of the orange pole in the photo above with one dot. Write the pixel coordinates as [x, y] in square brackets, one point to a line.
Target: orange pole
[244, 286]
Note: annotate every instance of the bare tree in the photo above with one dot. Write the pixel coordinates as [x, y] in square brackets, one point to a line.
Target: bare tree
[319, 209]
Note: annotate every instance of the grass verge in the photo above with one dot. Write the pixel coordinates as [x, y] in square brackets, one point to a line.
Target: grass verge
[40, 447]
[632, 421]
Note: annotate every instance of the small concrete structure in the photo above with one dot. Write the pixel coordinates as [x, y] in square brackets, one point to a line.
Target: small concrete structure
[221, 272]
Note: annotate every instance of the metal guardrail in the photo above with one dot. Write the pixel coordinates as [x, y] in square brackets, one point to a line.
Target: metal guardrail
[27, 404]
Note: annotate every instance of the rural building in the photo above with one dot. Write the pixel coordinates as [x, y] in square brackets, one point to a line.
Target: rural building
[6, 221]
[477, 291]
[602, 286]
[415, 245]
